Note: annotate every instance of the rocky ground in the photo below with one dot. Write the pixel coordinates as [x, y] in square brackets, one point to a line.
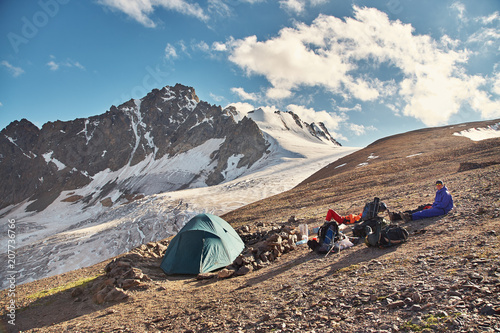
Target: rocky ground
[446, 278]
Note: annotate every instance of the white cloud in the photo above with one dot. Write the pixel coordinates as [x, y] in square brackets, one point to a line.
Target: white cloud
[54, 66]
[216, 98]
[244, 108]
[486, 37]
[278, 93]
[295, 6]
[15, 71]
[318, 2]
[344, 57]
[78, 65]
[460, 9]
[359, 130]
[244, 95]
[496, 83]
[253, 1]
[490, 18]
[219, 8]
[140, 10]
[180, 49]
[480, 100]
[357, 107]
[299, 6]
[170, 51]
[202, 46]
[220, 47]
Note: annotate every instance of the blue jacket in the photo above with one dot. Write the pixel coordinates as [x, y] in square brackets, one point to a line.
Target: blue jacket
[443, 200]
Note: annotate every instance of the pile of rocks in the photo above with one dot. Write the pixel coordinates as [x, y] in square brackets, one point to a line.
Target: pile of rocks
[263, 246]
[152, 249]
[112, 287]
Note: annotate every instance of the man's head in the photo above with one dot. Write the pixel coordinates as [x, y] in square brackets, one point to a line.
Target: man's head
[439, 184]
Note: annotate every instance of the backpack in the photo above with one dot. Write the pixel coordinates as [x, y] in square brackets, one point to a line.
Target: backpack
[393, 235]
[328, 234]
[386, 236]
[371, 209]
[360, 229]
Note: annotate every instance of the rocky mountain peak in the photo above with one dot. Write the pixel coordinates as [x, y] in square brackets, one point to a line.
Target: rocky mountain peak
[317, 130]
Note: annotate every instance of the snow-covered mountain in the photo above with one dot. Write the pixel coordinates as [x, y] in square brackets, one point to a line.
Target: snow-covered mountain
[89, 189]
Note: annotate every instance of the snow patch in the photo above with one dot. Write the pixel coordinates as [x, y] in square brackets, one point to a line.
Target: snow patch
[11, 139]
[85, 130]
[482, 133]
[48, 158]
[232, 171]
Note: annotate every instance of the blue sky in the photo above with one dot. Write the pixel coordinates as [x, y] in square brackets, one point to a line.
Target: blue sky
[368, 69]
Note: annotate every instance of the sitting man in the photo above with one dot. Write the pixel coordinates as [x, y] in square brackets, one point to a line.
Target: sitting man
[443, 203]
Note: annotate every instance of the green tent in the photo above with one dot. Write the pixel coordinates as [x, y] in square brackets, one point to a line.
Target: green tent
[204, 244]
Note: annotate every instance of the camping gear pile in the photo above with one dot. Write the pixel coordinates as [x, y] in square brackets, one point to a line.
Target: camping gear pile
[376, 230]
[373, 229]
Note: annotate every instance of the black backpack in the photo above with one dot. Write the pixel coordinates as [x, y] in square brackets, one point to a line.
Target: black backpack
[386, 236]
[328, 234]
[360, 229]
[393, 235]
[371, 209]
[324, 236]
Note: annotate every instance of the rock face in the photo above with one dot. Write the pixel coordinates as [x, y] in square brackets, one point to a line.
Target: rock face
[319, 131]
[38, 164]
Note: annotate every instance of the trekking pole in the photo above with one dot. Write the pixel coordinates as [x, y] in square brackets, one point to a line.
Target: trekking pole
[376, 207]
[329, 249]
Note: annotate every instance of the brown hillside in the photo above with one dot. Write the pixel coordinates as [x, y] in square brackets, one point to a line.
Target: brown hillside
[424, 147]
[398, 163]
[446, 278]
